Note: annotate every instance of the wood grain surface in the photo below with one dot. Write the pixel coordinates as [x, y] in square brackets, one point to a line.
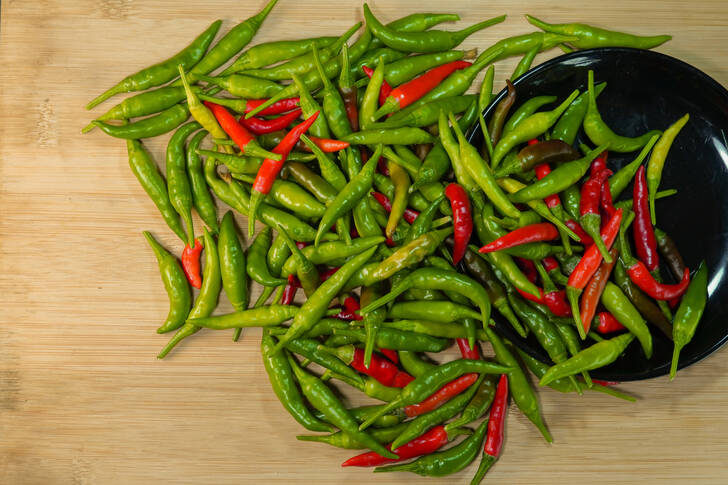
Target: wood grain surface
[83, 399]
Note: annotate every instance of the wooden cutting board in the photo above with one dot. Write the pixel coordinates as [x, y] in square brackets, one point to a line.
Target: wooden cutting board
[83, 399]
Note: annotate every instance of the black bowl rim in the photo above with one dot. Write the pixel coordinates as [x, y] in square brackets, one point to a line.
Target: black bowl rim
[601, 51]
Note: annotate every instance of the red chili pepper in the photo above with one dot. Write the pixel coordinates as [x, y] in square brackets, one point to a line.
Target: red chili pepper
[191, 263]
[542, 231]
[599, 163]
[442, 395]
[586, 239]
[409, 214]
[352, 306]
[528, 268]
[606, 202]
[409, 92]
[466, 351]
[640, 276]
[557, 303]
[543, 170]
[268, 172]
[588, 265]
[390, 354]
[289, 292]
[461, 219]
[644, 234]
[380, 368]
[325, 144]
[260, 126]
[594, 289]
[532, 298]
[401, 379]
[496, 430]
[608, 324]
[429, 442]
[285, 104]
[324, 275]
[384, 90]
[239, 134]
[550, 263]
[591, 193]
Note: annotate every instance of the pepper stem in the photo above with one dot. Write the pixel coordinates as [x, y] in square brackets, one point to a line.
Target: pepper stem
[675, 359]
[573, 296]
[380, 412]
[483, 468]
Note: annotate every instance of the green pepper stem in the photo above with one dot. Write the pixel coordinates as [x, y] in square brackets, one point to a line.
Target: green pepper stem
[675, 359]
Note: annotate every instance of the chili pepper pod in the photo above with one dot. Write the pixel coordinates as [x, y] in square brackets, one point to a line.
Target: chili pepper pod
[657, 160]
[594, 290]
[345, 441]
[528, 234]
[238, 133]
[590, 218]
[643, 232]
[191, 263]
[688, 314]
[425, 444]
[462, 220]
[496, 431]
[608, 323]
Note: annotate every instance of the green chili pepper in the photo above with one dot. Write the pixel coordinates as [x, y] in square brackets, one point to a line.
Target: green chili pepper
[256, 266]
[568, 125]
[619, 181]
[349, 196]
[323, 399]
[343, 440]
[231, 43]
[588, 37]
[370, 101]
[164, 71]
[395, 136]
[417, 22]
[689, 313]
[521, 44]
[311, 181]
[445, 462]
[600, 134]
[306, 271]
[413, 364]
[201, 198]
[232, 264]
[436, 311]
[409, 254]
[598, 355]
[523, 394]
[424, 422]
[406, 69]
[525, 63]
[619, 305]
[309, 349]
[372, 321]
[330, 252]
[657, 160]
[284, 385]
[309, 106]
[448, 330]
[478, 405]
[269, 53]
[291, 196]
[266, 316]
[316, 305]
[528, 108]
[531, 127]
[559, 179]
[389, 338]
[206, 299]
[423, 223]
[334, 108]
[164, 122]
[401, 182]
[146, 172]
[427, 114]
[175, 283]
[178, 183]
[362, 412]
[243, 86]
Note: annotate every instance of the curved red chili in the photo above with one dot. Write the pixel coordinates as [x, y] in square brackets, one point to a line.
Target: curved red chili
[281, 106]
[390, 354]
[425, 444]
[409, 214]
[260, 126]
[608, 324]
[592, 258]
[550, 263]
[543, 170]
[586, 239]
[599, 164]
[542, 231]
[239, 134]
[528, 268]
[289, 292]
[466, 351]
[494, 438]
[640, 276]
[191, 263]
[606, 202]
[644, 234]
[441, 396]
[462, 220]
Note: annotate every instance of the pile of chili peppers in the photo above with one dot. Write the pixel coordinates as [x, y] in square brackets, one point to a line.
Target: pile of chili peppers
[402, 241]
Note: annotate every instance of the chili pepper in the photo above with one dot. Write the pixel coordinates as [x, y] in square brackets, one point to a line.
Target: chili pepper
[406, 94]
[429, 41]
[348, 90]
[315, 307]
[462, 220]
[164, 71]
[608, 323]
[271, 168]
[528, 234]
[146, 172]
[178, 184]
[570, 122]
[440, 311]
[343, 440]
[401, 182]
[657, 160]
[557, 180]
[409, 215]
[385, 88]
[496, 431]
[284, 385]
[390, 338]
[162, 123]
[447, 411]
[498, 119]
[442, 395]
[619, 305]
[266, 316]
[482, 174]
[362, 412]
[644, 234]
[289, 292]
[434, 328]
[350, 195]
[243, 86]
[396, 136]
[379, 368]
[590, 220]
[408, 255]
[594, 290]
[201, 198]
[670, 253]
[307, 273]
[445, 462]
[372, 322]
[191, 263]
[417, 22]
[239, 134]
[207, 298]
[606, 203]
[175, 284]
[413, 364]
[531, 156]
[331, 251]
[309, 106]
[246, 105]
[484, 98]
[531, 127]
[256, 264]
[424, 385]
[588, 37]
[452, 148]
[598, 355]
[525, 63]
[311, 350]
[646, 307]
[323, 399]
[688, 314]
[269, 53]
[425, 444]
[600, 134]
[526, 109]
[588, 265]
[260, 126]
[428, 113]
[619, 181]
[423, 222]
[370, 101]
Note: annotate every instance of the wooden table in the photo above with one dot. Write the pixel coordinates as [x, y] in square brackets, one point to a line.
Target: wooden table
[83, 399]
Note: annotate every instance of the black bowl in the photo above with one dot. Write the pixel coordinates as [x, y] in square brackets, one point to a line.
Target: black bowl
[648, 90]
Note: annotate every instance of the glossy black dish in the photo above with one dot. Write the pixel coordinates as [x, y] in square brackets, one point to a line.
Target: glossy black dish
[648, 90]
